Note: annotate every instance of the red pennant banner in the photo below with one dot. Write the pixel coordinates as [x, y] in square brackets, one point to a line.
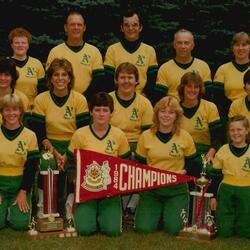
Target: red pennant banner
[99, 175]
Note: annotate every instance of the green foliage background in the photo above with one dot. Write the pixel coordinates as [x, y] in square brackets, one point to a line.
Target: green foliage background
[213, 23]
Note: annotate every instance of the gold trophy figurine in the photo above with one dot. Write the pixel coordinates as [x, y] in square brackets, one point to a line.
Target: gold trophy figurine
[202, 225]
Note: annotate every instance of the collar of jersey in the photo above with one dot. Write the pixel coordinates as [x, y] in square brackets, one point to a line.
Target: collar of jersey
[99, 138]
[15, 133]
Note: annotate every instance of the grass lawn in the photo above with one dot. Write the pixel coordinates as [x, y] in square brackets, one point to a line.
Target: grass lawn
[129, 240]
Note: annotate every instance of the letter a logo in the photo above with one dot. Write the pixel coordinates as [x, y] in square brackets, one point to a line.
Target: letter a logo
[20, 148]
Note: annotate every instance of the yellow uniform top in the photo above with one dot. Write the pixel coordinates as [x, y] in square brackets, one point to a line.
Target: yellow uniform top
[29, 75]
[240, 107]
[235, 168]
[230, 78]
[113, 143]
[133, 118]
[199, 125]
[14, 152]
[143, 58]
[85, 62]
[170, 73]
[60, 120]
[166, 155]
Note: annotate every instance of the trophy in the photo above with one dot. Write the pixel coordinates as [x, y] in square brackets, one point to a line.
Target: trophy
[202, 225]
[49, 222]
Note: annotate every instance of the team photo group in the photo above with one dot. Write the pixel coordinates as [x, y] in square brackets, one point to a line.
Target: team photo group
[176, 117]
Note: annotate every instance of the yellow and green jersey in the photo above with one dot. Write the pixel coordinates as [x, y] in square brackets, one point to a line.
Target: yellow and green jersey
[113, 143]
[170, 73]
[229, 77]
[240, 106]
[200, 122]
[235, 166]
[144, 58]
[15, 151]
[31, 74]
[167, 155]
[60, 119]
[86, 62]
[133, 117]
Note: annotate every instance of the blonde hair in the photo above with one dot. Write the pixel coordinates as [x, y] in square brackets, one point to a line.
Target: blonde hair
[173, 104]
[245, 123]
[12, 100]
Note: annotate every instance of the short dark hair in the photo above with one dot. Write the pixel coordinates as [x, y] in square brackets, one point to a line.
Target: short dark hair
[128, 68]
[7, 65]
[101, 99]
[74, 12]
[130, 13]
[246, 78]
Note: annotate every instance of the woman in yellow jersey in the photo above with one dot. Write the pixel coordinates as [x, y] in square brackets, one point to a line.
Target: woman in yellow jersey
[233, 160]
[133, 113]
[241, 106]
[8, 78]
[228, 80]
[31, 72]
[19, 158]
[56, 115]
[166, 146]
[104, 138]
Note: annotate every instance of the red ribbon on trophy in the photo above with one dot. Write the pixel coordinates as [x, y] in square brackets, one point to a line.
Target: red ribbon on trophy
[99, 175]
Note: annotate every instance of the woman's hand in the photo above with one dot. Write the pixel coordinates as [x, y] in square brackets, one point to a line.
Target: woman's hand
[210, 155]
[60, 160]
[21, 201]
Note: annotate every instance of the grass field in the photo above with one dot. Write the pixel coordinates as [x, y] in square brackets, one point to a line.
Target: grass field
[129, 240]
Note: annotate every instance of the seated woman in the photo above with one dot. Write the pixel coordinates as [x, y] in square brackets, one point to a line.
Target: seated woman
[56, 115]
[104, 138]
[133, 113]
[166, 146]
[19, 159]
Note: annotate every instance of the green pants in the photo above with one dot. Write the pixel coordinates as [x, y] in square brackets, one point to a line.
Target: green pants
[9, 188]
[165, 203]
[105, 213]
[233, 211]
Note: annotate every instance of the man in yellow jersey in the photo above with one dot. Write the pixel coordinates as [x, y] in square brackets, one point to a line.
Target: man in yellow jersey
[170, 73]
[131, 49]
[85, 58]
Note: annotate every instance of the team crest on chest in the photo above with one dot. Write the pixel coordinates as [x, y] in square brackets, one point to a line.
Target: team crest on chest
[110, 147]
[68, 112]
[246, 166]
[199, 123]
[97, 177]
[140, 60]
[134, 115]
[174, 150]
[85, 59]
[20, 148]
[30, 72]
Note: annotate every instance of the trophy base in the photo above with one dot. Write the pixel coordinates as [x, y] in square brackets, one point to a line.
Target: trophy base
[201, 235]
[47, 225]
[55, 234]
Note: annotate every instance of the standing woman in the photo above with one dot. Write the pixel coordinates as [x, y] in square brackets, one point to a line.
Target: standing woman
[31, 72]
[8, 78]
[56, 115]
[19, 158]
[228, 80]
[133, 113]
[166, 146]
[104, 138]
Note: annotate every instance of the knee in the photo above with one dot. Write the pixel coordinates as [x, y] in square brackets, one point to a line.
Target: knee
[19, 225]
[84, 229]
[112, 231]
